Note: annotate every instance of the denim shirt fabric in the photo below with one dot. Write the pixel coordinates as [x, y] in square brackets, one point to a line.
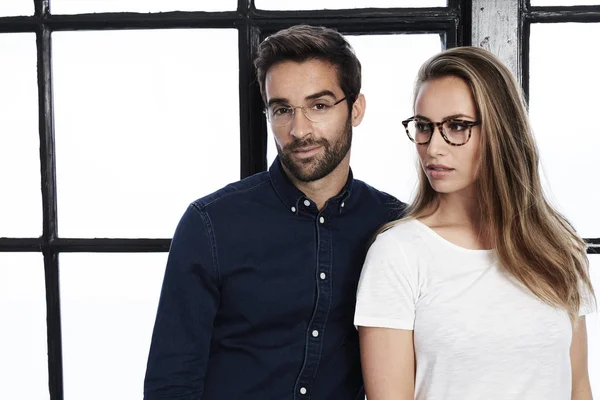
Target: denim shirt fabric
[259, 293]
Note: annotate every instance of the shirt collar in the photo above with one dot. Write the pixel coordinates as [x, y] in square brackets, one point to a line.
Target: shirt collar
[292, 197]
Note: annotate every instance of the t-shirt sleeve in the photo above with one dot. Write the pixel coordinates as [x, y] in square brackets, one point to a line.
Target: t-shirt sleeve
[388, 287]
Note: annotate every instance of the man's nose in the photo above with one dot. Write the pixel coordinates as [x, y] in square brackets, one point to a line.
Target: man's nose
[301, 125]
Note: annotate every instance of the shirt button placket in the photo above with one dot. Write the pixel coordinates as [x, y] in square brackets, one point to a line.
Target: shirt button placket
[319, 321]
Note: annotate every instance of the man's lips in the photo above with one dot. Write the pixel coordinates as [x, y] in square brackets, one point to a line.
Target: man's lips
[306, 152]
[306, 149]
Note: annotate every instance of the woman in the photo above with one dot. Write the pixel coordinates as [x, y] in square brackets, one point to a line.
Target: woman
[480, 291]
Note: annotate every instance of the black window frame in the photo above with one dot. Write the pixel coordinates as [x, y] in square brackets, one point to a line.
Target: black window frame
[547, 15]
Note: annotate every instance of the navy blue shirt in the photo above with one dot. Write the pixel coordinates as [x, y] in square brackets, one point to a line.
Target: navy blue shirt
[259, 293]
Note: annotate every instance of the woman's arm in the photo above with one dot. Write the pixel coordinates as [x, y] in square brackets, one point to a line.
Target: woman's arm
[388, 363]
[581, 389]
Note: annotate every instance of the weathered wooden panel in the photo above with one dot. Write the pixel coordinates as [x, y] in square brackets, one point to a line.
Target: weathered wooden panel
[496, 27]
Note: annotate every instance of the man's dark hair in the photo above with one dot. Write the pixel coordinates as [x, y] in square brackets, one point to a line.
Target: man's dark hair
[303, 42]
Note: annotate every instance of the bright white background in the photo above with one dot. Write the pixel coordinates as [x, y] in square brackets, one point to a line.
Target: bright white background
[143, 6]
[108, 305]
[21, 196]
[333, 4]
[23, 343]
[144, 126]
[564, 86]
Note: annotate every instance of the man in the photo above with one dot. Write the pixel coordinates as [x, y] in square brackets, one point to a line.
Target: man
[259, 291]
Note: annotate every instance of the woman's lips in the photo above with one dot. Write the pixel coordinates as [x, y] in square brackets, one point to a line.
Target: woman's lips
[437, 171]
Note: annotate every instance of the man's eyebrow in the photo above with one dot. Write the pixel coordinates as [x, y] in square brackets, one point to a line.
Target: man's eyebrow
[277, 100]
[322, 93]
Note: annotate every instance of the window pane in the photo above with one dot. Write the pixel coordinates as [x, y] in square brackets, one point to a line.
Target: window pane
[144, 6]
[15, 8]
[382, 155]
[108, 304]
[564, 2]
[144, 125]
[563, 115]
[23, 344]
[343, 4]
[593, 328]
[21, 199]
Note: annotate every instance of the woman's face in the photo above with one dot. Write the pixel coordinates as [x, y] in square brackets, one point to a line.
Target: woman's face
[449, 169]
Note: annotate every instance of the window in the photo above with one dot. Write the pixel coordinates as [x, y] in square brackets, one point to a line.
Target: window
[108, 306]
[559, 113]
[116, 114]
[24, 365]
[145, 6]
[21, 200]
[138, 142]
[561, 82]
[344, 4]
[120, 113]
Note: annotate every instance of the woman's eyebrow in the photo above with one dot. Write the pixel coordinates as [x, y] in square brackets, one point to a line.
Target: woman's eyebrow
[449, 117]
[455, 116]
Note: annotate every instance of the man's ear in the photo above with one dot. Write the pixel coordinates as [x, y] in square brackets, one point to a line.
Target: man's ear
[358, 110]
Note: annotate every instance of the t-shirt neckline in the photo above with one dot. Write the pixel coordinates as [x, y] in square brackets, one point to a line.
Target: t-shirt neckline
[441, 239]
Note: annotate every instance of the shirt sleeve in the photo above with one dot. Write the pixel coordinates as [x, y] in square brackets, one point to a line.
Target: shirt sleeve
[187, 307]
[388, 287]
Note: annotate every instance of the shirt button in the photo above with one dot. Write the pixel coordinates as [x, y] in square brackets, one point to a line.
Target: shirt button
[343, 204]
[315, 333]
[303, 390]
[323, 276]
[293, 209]
[322, 220]
[307, 203]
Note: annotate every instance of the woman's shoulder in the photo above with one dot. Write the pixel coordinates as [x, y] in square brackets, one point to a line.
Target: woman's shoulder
[402, 229]
[402, 236]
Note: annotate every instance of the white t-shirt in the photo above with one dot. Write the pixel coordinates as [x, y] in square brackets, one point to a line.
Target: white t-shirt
[478, 334]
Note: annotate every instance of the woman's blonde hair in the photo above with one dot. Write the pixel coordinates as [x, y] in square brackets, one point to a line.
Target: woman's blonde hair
[533, 242]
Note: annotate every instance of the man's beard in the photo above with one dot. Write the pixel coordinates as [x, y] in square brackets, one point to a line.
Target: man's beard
[319, 166]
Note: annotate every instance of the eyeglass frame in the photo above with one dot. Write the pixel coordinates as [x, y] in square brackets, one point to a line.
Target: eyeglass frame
[293, 108]
[439, 125]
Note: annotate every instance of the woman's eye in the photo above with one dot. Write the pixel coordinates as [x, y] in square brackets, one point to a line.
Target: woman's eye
[457, 126]
[421, 126]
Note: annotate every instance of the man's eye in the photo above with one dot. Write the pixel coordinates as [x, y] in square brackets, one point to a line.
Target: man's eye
[320, 106]
[282, 111]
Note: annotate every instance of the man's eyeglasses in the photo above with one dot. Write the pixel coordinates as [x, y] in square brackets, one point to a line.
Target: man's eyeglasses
[456, 132]
[318, 110]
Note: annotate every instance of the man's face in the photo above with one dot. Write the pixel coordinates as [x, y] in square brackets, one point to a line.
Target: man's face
[310, 150]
